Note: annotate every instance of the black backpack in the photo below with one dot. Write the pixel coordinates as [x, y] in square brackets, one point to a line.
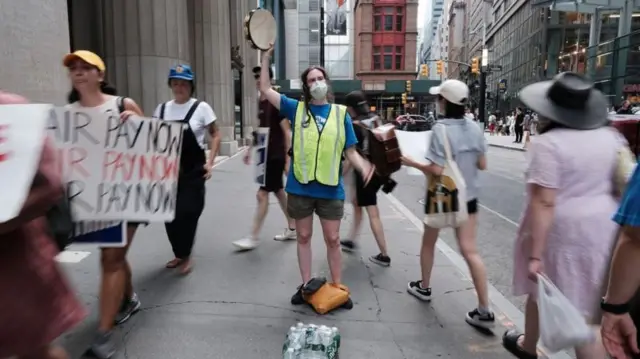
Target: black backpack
[59, 217]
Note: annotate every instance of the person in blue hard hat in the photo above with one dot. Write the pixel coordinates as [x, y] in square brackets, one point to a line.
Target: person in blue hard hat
[195, 165]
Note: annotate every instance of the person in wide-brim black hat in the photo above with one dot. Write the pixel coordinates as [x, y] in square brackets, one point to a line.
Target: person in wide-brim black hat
[568, 100]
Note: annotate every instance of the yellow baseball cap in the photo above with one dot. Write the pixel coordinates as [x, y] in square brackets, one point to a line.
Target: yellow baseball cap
[86, 56]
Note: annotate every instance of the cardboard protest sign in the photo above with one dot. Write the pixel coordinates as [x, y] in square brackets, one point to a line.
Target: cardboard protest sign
[22, 132]
[117, 170]
[260, 155]
[414, 145]
[104, 234]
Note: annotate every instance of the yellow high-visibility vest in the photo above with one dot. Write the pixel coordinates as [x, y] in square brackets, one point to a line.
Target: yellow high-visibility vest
[317, 154]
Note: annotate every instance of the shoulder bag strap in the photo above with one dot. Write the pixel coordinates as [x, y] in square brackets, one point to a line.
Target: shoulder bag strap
[447, 146]
[191, 111]
[162, 107]
[120, 103]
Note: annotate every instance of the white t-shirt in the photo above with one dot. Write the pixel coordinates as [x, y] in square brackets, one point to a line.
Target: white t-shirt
[202, 117]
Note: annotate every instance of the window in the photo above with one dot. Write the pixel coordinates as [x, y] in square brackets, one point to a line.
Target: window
[376, 58]
[388, 58]
[314, 5]
[388, 18]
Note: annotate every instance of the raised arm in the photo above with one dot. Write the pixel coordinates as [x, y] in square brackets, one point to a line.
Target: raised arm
[265, 82]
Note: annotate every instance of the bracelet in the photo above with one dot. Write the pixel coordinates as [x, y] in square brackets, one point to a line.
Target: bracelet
[617, 309]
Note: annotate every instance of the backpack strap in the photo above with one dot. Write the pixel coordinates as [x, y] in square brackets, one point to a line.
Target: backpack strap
[120, 103]
[191, 111]
[162, 107]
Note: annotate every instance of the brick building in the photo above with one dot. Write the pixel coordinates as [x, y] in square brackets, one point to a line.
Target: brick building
[385, 41]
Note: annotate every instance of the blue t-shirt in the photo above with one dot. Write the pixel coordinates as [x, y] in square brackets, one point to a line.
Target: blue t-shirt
[288, 108]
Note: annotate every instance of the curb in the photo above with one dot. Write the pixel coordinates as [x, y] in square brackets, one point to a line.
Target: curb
[508, 147]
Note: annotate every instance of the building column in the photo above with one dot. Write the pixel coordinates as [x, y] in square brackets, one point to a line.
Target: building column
[554, 43]
[35, 38]
[142, 40]
[594, 39]
[212, 41]
[621, 46]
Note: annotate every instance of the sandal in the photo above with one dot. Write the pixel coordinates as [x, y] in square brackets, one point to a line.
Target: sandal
[510, 343]
[174, 263]
[186, 266]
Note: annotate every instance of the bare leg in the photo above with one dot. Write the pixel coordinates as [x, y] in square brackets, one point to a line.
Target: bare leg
[466, 235]
[376, 227]
[305, 231]
[261, 212]
[282, 201]
[357, 222]
[427, 252]
[331, 232]
[115, 280]
[529, 341]
[48, 352]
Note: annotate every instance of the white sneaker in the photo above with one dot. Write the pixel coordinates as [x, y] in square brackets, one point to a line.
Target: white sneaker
[246, 244]
[288, 235]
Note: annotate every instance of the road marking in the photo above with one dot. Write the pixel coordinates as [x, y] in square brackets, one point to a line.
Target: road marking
[75, 257]
[71, 256]
[498, 214]
[502, 304]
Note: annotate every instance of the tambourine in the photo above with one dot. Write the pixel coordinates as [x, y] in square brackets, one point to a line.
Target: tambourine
[260, 29]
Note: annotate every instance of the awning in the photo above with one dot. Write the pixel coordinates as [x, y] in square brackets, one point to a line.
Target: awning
[582, 6]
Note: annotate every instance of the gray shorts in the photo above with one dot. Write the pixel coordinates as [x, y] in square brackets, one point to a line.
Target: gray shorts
[299, 207]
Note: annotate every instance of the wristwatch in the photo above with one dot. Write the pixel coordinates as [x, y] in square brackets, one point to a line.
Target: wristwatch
[614, 308]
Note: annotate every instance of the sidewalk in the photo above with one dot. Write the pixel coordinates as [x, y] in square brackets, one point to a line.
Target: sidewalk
[236, 306]
[504, 142]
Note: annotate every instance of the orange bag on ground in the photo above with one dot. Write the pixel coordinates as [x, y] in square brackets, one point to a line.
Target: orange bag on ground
[328, 297]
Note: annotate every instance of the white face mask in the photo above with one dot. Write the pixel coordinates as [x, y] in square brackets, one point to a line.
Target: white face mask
[319, 90]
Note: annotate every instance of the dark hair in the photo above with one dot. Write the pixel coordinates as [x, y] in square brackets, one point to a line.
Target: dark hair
[357, 100]
[306, 91]
[451, 110]
[74, 95]
[193, 86]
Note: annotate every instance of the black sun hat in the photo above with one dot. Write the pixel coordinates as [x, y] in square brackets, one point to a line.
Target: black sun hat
[568, 99]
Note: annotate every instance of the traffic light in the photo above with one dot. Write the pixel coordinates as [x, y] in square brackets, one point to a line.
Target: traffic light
[404, 98]
[439, 67]
[424, 70]
[475, 65]
[407, 86]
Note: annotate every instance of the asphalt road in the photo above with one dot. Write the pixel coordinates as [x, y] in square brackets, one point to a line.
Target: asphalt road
[237, 305]
[501, 203]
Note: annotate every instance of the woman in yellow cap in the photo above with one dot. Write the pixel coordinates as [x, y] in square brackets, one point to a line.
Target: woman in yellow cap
[117, 298]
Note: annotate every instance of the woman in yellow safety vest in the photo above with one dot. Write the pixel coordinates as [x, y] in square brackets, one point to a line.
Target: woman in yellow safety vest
[321, 133]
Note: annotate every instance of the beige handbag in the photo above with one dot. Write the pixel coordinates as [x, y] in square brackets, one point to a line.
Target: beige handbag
[625, 165]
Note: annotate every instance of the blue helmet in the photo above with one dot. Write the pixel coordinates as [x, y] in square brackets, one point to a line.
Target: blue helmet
[181, 72]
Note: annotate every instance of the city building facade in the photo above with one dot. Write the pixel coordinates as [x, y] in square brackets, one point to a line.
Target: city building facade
[457, 20]
[139, 41]
[440, 47]
[532, 44]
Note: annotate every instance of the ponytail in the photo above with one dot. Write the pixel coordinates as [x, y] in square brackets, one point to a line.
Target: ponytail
[105, 88]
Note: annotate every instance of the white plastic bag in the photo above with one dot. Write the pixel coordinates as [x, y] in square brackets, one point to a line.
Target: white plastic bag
[561, 324]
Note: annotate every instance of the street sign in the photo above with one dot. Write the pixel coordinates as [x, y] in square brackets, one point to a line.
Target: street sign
[494, 68]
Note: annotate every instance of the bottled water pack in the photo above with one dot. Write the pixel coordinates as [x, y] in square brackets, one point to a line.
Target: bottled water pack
[311, 342]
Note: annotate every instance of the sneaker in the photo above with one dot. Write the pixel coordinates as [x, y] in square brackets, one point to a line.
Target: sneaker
[130, 306]
[297, 298]
[246, 244]
[288, 235]
[102, 346]
[349, 246]
[380, 259]
[415, 289]
[481, 320]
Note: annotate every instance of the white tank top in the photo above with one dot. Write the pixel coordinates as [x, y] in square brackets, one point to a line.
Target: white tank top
[111, 105]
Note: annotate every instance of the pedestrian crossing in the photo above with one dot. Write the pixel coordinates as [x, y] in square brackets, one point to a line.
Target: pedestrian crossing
[72, 257]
